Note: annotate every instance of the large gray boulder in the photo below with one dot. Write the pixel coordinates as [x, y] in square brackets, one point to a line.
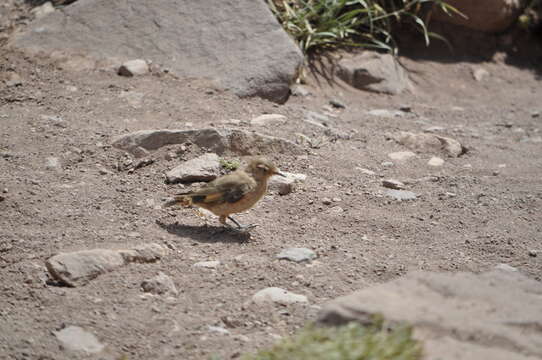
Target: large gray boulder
[494, 315]
[236, 43]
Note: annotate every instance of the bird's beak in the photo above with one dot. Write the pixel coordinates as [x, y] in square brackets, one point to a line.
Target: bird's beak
[279, 173]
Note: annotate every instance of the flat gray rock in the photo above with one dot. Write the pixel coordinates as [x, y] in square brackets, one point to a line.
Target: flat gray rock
[219, 141]
[239, 44]
[278, 296]
[74, 338]
[401, 155]
[80, 267]
[297, 255]
[401, 194]
[203, 168]
[374, 72]
[494, 315]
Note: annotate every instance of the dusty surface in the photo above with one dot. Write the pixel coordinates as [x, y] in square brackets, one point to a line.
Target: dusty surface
[474, 212]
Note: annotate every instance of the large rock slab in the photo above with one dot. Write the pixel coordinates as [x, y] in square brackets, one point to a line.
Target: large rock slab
[219, 141]
[490, 16]
[80, 267]
[203, 168]
[374, 72]
[494, 315]
[237, 43]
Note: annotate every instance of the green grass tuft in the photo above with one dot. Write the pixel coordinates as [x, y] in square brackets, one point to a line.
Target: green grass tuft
[320, 24]
[349, 342]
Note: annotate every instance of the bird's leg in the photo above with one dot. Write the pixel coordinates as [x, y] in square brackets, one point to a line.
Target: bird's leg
[242, 227]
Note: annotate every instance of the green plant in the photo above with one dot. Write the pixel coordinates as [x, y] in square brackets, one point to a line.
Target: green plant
[348, 342]
[317, 24]
[230, 165]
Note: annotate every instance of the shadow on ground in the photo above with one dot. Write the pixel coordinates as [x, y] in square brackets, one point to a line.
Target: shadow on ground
[206, 233]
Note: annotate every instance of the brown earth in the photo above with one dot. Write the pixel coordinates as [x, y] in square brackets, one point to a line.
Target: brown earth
[476, 211]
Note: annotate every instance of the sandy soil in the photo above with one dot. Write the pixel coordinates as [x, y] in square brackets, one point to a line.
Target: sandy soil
[476, 211]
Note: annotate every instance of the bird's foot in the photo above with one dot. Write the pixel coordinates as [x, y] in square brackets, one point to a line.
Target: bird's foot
[240, 227]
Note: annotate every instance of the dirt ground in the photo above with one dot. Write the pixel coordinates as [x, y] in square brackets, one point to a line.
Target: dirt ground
[473, 213]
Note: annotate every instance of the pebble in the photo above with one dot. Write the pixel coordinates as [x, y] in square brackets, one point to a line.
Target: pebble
[506, 267]
[279, 296]
[134, 67]
[337, 199]
[300, 90]
[268, 119]
[401, 155]
[13, 79]
[297, 255]
[435, 161]
[401, 194]
[533, 253]
[479, 74]
[337, 104]
[434, 129]
[218, 329]
[393, 184]
[160, 284]
[208, 264]
[326, 201]
[74, 338]
[387, 164]
[366, 171]
[53, 163]
[386, 113]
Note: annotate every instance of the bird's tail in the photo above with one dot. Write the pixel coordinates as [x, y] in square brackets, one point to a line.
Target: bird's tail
[182, 200]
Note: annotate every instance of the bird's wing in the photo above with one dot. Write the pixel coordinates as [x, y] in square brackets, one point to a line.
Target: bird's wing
[229, 188]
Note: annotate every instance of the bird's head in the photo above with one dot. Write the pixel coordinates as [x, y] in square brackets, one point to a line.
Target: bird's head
[263, 168]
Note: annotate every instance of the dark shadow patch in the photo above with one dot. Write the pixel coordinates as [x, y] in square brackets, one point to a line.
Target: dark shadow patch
[206, 233]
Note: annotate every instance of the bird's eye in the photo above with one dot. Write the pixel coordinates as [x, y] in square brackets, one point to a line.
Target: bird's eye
[263, 167]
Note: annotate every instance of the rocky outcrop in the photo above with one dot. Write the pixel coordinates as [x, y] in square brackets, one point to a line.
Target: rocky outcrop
[237, 43]
[494, 315]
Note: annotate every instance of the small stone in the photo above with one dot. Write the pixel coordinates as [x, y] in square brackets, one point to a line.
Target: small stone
[430, 143]
[393, 184]
[434, 129]
[218, 329]
[297, 255]
[337, 104]
[435, 161]
[387, 164]
[134, 67]
[506, 267]
[13, 79]
[300, 90]
[401, 155]
[335, 210]
[102, 170]
[287, 183]
[533, 253]
[279, 296]
[268, 119]
[479, 74]
[161, 284]
[366, 171]
[53, 163]
[401, 194]
[386, 113]
[535, 114]
[208, 264]
[43, 10]
[326, 201]
[74, 338]
[337, 199]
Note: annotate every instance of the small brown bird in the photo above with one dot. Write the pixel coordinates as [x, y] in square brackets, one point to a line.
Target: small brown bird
[232, 193]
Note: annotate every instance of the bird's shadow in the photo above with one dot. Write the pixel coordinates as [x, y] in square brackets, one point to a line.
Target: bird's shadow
[206, 233]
